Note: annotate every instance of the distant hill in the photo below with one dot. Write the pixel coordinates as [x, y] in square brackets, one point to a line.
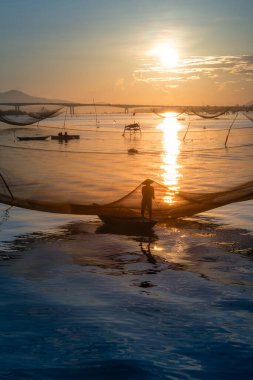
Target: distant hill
[15, 96]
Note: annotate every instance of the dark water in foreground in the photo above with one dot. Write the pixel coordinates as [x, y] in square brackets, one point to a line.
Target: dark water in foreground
[80, 301]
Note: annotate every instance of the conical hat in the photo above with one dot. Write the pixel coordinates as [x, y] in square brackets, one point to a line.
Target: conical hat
[147, 182]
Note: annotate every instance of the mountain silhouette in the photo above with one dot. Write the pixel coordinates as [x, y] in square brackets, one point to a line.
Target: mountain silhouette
[16, 96]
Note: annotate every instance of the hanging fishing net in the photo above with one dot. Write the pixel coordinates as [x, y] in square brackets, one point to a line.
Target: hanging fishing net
[170, 204]
[167, 203]
[209, 113]
[205, 112]
[163, 116]
[28, 115]
[191, 170]
[248, 115]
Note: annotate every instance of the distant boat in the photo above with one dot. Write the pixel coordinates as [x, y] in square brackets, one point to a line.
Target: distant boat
[65, 137]
[133, 223]
[132, 151]
[31, 138]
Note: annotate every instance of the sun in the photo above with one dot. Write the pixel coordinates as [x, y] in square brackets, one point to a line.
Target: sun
[167, 55]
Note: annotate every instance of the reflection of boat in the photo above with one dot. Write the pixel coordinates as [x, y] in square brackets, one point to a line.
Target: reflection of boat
[65, 137]
[133, 223]
[30, 138]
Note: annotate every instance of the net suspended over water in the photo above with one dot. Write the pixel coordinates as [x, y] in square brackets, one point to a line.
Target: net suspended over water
[167, 203]
[28, 115]
[96, 176]
[210, 114]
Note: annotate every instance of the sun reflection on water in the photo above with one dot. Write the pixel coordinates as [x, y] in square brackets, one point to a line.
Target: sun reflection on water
[171, 145]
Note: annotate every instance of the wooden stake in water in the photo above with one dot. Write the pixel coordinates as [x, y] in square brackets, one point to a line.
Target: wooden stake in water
[186, 131]
[229, 129]
[96, 114]
[65, 117]
[7, 187]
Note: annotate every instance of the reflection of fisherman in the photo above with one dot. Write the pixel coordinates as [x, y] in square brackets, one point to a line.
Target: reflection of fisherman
[147, 251]
[148, 194]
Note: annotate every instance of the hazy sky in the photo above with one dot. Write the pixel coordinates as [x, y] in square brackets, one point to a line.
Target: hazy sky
[142, 51]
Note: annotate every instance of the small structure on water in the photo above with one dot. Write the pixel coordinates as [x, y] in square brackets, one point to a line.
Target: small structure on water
[132, 128]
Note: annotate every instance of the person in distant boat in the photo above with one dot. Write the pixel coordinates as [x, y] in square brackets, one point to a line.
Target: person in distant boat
[60, 135]
[66, 135]
[148, 194]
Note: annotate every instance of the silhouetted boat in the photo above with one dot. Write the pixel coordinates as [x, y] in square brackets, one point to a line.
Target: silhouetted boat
[65, 137]
[133, 223]
[30, 138]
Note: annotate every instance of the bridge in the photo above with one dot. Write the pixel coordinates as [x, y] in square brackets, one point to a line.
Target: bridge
[136, 107]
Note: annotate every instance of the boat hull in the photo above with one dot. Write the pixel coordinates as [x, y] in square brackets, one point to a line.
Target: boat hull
[133, 223]
[33, 138]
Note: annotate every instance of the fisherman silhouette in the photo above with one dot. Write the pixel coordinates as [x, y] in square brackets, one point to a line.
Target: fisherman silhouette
[148, 194]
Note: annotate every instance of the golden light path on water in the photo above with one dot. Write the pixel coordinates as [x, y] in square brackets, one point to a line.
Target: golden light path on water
[171, 145]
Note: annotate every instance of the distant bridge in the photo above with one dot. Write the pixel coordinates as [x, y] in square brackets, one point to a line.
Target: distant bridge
[136, 107]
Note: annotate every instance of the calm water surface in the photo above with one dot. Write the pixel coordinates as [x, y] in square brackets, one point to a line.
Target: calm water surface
[81, 301]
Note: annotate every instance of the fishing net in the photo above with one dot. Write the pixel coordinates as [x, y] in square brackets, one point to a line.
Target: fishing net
[28, 115]
[248, 115]
[204, 113]
[211, 113]
[170, 204]
[190, 169]
[167, 203]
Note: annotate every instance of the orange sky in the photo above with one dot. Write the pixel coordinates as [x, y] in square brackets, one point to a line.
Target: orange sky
[117, 51]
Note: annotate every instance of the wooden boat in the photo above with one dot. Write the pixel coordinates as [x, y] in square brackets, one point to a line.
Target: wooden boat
[132, 151]
[65, 137]
[31, 138]
[133, 223]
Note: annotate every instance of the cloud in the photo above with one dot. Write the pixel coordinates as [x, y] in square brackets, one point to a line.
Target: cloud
[221, 86]
[223, 70]
[120, 84]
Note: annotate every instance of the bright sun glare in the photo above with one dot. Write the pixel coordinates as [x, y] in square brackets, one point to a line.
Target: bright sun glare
[171, 144]
[167, 55]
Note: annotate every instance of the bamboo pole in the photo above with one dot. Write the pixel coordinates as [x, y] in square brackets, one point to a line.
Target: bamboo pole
[229, 129]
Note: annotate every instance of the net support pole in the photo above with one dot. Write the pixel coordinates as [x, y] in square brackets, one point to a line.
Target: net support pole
[95, 113]
[229, 129]
[7, 187]
[186, 131]
[65, 118]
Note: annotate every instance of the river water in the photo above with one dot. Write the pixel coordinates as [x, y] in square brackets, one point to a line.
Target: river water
[82, 301]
